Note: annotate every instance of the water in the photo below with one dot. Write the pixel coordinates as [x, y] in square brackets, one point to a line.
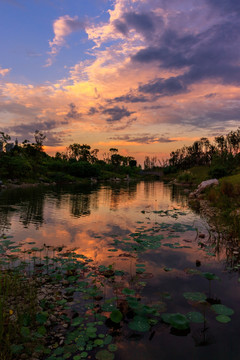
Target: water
[98, 220]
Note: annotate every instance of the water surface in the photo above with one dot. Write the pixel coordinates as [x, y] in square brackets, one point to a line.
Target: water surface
[99, 221]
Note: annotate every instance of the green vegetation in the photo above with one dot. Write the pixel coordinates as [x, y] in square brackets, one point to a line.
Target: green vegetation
[204, 160]
[27, 162]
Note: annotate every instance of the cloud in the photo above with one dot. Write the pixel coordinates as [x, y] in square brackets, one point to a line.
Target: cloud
[141, 22]
[73, 113]
[131, 98]
[26, 131]
[210, 54]
[117, 113]
[168, 87]
[62, 27]
[93, 110]
[229, 6]
[143, 139]
[4, 72]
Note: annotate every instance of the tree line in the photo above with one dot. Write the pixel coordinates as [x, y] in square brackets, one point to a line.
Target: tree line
[29, 161]
[222, 155]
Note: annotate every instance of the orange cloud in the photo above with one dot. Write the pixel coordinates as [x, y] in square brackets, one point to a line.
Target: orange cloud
[4, 72]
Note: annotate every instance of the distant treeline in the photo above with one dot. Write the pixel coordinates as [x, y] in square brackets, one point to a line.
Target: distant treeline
[28, 161]
[222, 155]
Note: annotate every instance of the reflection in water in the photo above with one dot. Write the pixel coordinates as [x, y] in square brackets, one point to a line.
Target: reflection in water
[101, 221]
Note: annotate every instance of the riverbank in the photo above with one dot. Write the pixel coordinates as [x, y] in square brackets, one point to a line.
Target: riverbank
[220, 203]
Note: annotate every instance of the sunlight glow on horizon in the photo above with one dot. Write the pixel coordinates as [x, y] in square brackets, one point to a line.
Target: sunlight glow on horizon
[136, 75]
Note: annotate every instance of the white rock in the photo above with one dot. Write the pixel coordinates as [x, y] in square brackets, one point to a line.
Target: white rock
[204, 184]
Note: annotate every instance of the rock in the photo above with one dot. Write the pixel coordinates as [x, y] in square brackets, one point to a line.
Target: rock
[204, 185]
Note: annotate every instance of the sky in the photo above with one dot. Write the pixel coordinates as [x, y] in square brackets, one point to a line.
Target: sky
[143, 76]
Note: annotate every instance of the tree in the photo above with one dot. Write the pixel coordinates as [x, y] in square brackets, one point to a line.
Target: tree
[79, 152]
[4, 138]
[39, 138]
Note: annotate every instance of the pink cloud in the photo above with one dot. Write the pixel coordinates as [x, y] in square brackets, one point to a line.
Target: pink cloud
[62, 27]
[4, 72]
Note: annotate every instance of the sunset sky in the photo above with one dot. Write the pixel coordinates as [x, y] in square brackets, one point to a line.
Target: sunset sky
[143, 76]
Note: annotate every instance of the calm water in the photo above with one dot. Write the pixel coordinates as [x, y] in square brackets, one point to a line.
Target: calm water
[98, 218]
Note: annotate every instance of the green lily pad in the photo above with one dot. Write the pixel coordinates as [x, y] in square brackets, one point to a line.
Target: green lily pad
[222, 309]
[179, 321]
[210, 276]
[195, 296]
[112, 347]
[195, 317]
[104, 355]
[223, 318]
[127, 291]
[139, 323]
[116, 316]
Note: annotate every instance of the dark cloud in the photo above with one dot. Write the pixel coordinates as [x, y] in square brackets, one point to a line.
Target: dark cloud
[168, 87]
[153, 107]
[121, 26]
[92, 111]
[123, 126]
[130, 98]
[73, 113]
[117, 113]
[141, 22]
[26, 131]
[143, 139]
[211, 95]
[212, 54]
[226, 6]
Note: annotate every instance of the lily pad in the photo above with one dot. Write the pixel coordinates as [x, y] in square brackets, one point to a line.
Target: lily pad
[127, 291]
[104, 355]
[195, 296]
[179, 321]
[222, 309]
[116, 316]
[223, 318]
[210, 276]
[195, 317]
[112, 347]
[139, 323]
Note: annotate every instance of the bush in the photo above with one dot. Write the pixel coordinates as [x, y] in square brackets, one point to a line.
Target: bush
[169, 170]
[186, 176]
[218, 171]
[83, 169]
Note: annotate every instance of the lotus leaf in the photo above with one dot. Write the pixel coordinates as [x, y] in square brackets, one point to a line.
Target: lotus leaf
[210, 276]
[223, 318]
[139, 323]
[195, 296]
[104, 355]
[195, 317]
[179, 321]
[222, 309]
[116, 316]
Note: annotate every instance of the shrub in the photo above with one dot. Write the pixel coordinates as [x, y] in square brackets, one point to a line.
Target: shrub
[186, 176]
[218, 171]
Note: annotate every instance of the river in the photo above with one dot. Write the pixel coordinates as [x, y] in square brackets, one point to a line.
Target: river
[147, 231]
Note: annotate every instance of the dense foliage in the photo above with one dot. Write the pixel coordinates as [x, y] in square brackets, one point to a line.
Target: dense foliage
[222, 156]
[28, 162]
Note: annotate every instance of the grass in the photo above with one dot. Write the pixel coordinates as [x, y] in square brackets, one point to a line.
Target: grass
[233, 179]
[199, 173]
